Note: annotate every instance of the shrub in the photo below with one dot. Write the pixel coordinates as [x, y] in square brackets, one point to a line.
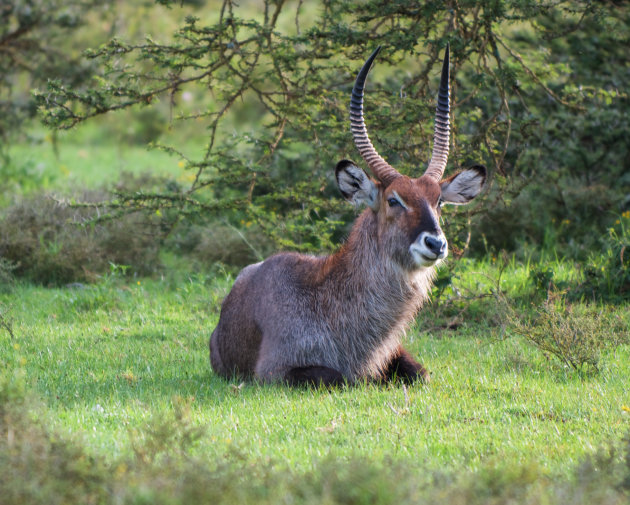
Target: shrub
[542, 277]
[220, 243]
[7, 267]
[20, 177]
[52, 243]
[574, 334]
[537, 99]
[6, 323]
[607, 272]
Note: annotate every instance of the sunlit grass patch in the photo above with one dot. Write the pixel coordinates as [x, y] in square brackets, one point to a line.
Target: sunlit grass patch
[171, 463]
[110, 358]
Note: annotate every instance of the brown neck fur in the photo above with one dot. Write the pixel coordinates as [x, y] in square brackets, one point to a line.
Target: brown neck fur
[363, 279]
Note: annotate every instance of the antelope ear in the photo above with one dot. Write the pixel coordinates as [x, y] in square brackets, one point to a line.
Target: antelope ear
[462, 187]
[355, 185]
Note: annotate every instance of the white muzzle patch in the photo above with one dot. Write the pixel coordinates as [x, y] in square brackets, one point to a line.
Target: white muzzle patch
[428, 249]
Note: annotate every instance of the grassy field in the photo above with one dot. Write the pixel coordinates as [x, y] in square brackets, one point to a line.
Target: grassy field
[85, 159]
[123, 364]
[107, 396]
[106, 391]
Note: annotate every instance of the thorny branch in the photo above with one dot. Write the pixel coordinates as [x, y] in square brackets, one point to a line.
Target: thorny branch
[298, 83]
[535, 77]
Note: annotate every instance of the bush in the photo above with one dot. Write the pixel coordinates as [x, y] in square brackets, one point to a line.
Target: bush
[20, 177]
[574, 334]
[607, 272]
[220, 243]
[34, 48]
[37, 466]
[7, 267]
[49, 242]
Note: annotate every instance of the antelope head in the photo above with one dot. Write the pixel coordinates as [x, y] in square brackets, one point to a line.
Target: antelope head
[407, 209]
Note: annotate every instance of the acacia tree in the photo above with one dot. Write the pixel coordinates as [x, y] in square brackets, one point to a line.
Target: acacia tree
[287, 72]
[33, 49]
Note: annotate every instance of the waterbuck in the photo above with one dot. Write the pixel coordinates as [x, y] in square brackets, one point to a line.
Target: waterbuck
[338, 319]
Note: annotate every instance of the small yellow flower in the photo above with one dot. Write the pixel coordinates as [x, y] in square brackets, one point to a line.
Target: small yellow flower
[129, 376]
[181, 164]
[626, 214]
[16, 346]
[617, 221]
[138, 283]
[625, 408]
[566, 221]
[22, 361]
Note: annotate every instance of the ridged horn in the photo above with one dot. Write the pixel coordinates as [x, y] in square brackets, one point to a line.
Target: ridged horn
[439, 157]
[382, 170]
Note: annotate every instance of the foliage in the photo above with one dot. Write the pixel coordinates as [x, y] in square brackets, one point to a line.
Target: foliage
[570, 333]
[607, 273]
[20, 176]
[7, 267]
[542, 278]
[49, 242]
[220, 243]
[33, 49]
[38, 466]
[6, 323]
[280, 82]
[576, 158]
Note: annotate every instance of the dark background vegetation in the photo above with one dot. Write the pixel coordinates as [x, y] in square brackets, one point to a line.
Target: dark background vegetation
[538, 96]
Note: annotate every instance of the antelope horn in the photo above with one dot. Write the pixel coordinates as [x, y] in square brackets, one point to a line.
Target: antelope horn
[382, 170]
[439, 156]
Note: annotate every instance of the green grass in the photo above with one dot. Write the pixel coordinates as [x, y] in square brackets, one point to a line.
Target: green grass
[90, 157]
[109, 360]
[85, 165]
[118, 378]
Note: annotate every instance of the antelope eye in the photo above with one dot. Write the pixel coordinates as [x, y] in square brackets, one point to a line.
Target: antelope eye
[393, 202]
[440, 203]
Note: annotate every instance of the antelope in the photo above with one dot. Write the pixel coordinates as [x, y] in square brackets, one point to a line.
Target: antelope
[339, 319]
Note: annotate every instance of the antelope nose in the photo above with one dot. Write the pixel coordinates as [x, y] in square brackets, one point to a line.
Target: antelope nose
[436, 245]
